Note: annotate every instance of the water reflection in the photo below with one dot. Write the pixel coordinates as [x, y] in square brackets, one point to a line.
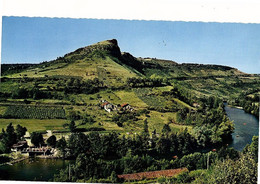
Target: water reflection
[33, 169]
[246, 126]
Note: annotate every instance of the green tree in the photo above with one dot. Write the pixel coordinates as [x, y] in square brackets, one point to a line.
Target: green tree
[252, 149]
[243, 170]
[87, 119]
[51, 141]
[12, 137]
[145, 132]
[202, 134]
[20, 93]
[4, 143]
[154, 139]
[62, 145]
[113, 177]
[163, 145]
[78, 143]
[72, 126]
[181, 115]
[37, 139]
[73, 115]
[166, 129]
[20, 131]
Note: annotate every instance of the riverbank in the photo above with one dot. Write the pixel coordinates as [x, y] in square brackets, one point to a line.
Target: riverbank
[15, 161]
[233, 106]
[47, 157]
[237, 107]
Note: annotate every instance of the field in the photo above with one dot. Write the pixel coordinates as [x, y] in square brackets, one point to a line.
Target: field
[131, 98]
[34, 112]
[225, 87]
[2, 110]
[158, 119]
[35, 124]
[146, 95]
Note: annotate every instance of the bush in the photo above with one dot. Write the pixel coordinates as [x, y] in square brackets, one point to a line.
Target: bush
[161, 180]
[4, 159]
[95, 129]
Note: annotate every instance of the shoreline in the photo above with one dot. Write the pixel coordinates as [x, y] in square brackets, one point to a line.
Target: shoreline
[14, 161]
[237, 107]
[47, 157]
[27, 157]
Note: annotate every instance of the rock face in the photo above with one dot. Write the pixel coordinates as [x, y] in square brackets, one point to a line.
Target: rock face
[130, 60]
[109, 46]
[113, 41]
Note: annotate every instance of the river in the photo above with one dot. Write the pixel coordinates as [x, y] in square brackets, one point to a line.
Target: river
[246, 126]
[35, 169]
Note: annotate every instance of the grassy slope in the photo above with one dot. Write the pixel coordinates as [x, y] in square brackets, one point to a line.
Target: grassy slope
[172, 69]
[35, 124]
[85, 68]
[222, 87]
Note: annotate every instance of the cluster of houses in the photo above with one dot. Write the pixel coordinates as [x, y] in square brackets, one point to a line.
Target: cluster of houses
[26, 147]
[39, 151]
[19, 146]
[107, 106]
[22, 146]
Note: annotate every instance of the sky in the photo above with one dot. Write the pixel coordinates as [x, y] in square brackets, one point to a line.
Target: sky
[34, 40]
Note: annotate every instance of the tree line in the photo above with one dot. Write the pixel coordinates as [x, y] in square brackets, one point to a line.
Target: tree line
[100, 157]
[11, 136]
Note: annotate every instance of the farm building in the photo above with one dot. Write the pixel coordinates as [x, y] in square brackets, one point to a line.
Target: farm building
[108, 106]
[126, 106]
[39, 151]
[19, 146]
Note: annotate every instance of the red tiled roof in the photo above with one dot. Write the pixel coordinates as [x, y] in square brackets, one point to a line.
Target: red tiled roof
[152, 174]
[104, 104]
[125, 104]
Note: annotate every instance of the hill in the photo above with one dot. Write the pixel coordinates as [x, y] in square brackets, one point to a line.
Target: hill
[108, 64]
[77, 83]
[88, 62]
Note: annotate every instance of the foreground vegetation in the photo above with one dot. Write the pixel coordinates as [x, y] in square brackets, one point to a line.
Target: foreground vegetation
[95, 153]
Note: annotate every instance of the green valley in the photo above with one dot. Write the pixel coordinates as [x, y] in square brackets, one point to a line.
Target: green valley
[109, 109]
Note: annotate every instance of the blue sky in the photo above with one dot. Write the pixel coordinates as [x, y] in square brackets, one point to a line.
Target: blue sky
[33, 40]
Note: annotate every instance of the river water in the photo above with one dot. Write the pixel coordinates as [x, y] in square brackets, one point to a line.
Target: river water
[246, 126]
[35, 169]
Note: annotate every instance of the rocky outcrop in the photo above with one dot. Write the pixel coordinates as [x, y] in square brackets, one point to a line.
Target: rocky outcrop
[130, 60]
[109, 46]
